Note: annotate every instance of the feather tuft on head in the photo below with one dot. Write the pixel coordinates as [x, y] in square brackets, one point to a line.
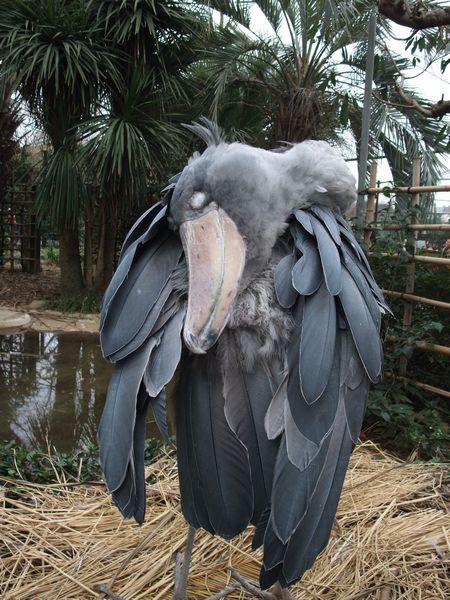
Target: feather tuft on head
[208, 131]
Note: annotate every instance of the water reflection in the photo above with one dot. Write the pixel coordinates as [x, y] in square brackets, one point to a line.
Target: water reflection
[52, 388]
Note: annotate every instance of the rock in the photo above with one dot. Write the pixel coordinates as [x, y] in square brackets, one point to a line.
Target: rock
[37, 305]
[11, 319]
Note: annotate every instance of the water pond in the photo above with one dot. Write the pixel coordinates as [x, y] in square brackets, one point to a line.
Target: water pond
[52, 388]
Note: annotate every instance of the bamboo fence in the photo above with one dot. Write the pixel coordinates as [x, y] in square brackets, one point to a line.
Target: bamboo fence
[413, 227]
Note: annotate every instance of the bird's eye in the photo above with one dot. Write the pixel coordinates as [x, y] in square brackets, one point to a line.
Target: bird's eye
[198, 200]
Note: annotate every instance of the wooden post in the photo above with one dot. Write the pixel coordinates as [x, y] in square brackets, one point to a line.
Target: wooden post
[411, 267]
[370, 211]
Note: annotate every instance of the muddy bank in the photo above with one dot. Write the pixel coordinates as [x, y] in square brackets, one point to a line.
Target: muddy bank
[33, 319]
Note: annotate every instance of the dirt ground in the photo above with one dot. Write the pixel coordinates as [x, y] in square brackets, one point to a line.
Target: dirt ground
[19, 289]
[20, 295]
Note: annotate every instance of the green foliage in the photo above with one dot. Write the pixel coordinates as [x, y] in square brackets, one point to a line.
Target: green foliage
[405, 419]
[89, 303]
[52, 255]
[18, 462]
[399, 414]
[432, 42]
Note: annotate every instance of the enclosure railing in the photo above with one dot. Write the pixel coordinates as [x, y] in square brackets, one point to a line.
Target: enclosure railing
[20, 242]
[413, 227]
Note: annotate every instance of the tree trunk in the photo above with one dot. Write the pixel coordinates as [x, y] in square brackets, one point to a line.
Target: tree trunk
[69, 261]
[88, 249]
[106, 247]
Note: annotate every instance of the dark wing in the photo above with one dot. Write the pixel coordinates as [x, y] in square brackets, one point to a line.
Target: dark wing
[213, 464]
[332, 354]
[140, 330]
[225, 461]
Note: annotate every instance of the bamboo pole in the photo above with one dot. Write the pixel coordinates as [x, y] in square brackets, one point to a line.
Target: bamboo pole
[418, 299]
[411, 227]
[427, 347]
[410, 267]
[370, 211]
[425, 386]
[435, 260]
[413, 189]
[365, 121]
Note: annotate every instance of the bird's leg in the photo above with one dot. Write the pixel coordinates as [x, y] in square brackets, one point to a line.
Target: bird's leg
[182, 567]
[252, 587]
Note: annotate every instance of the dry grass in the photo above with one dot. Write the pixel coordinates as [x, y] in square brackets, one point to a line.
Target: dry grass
[391, 540]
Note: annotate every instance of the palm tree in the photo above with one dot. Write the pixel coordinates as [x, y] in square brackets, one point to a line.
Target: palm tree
[9, 122]
[304, 79]
[54, 52]
[99, 78]
[132, 138]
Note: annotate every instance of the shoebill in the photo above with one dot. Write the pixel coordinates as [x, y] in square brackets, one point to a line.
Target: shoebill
[247, 280]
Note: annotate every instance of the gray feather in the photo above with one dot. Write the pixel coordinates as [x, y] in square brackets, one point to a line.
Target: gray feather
[260, 529]
[165, 357]
[299, 235]
[135, 238]
[116, 427]
[130, 496]
[247, 397]
[301, 451]
[329, 257]
[304, 219]
[159, 410]
[274, 418]
[208, 131]
[144, 228]
[221, 459]
[147, 328]
[131, 305]
[364, 331]
[192, 495]
[328, 218]
[364, 289]
[307, 271]
[282, 275]
[311, 537]
[317, 343]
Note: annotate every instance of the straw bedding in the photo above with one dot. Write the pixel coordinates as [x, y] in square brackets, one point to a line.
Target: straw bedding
[391, 540]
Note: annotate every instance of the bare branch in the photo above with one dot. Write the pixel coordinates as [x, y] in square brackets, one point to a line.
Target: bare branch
[416, 16]
[229, 589]
[250, 587]
[434, 111]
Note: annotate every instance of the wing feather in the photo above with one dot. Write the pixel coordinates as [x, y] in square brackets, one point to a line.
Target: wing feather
[304, 219]
[329, 257]
[144, 228]
[307, 273]
[332, 351]
[221, 460]
[129, 308]
[282, 277]
[364, 331]
[135, 238]
[327, 217]
[165, 357]
[159, 410]
[116, 427]
[317, 343]
[248, 394]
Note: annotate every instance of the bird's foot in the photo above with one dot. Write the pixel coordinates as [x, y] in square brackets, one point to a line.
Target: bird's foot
[182, 564]
[250, 586]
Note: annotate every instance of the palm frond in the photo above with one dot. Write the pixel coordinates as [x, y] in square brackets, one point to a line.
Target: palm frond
[122, 147]
[61, 193]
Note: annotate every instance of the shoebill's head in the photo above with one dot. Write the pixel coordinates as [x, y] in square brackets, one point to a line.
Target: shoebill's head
[230, 205]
